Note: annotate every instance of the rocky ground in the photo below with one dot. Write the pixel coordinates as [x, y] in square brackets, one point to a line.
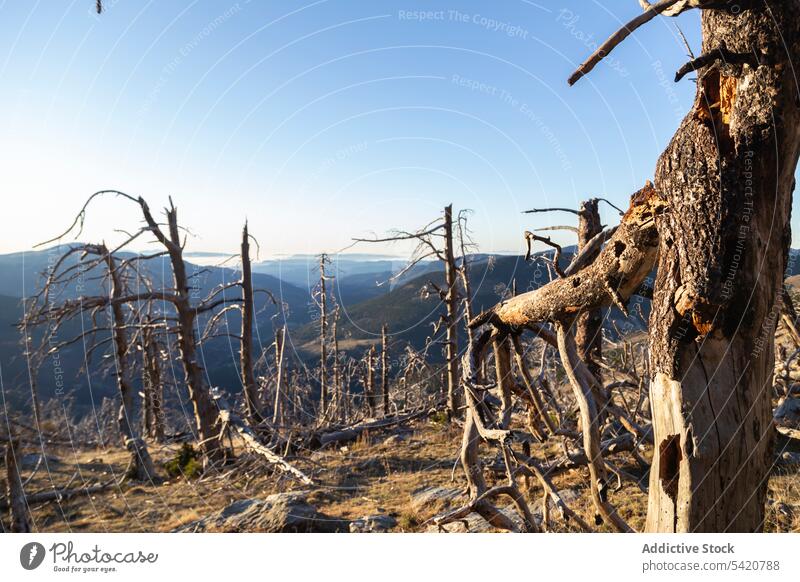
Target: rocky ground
[394, 481]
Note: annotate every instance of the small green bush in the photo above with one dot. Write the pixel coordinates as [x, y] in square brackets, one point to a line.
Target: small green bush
[185, 463]
[439, 417]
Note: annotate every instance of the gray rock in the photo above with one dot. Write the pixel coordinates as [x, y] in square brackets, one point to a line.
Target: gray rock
[373, 524]
[787, 414]
[279, 513]
[431, 494]
[395, 439]
[33, 459]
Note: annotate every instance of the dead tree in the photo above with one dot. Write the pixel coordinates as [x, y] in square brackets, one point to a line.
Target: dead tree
[278, 409]
[451, 304]
[153, 405]
[385, 369]
[323, 336]
[141, 466]
[727, 177]
[18, 505]
[369, 381]
[47, 311]
[614, 275]
[249, 385]
[187, 312]
[717, 220]
[435, 240]
[589, 325]
[339, 396]
[465, 242]
[720, 271]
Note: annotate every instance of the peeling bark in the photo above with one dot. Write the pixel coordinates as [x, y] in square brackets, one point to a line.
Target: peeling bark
[727, 177]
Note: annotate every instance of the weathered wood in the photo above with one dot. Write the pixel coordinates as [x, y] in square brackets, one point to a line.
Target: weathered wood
[277, 410]
[205, 413]
[589, 326]
[249, 385]
[15, 496]
[727, 177]
[60, 495]
[153, 417]
[591, 430]
[369, 382]
[140, 467]
[323, 336]
[451, 305]
[231, 419]
[351, 433]
[385, 368]
[618, 271]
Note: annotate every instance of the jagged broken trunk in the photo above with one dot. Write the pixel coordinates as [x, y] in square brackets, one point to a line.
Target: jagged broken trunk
[727, 178]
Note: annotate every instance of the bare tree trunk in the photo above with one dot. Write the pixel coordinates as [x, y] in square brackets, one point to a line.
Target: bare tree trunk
[505, 380]
[20, 517]
[323, 332]
[337, 371]
[153, 388]
[727, 176]
[385, 369]
[463, 271]
[277, 412]
[588, 330]
[205, 411]
[141, 466]
[451, 302]
[246, 356]
[369, 382]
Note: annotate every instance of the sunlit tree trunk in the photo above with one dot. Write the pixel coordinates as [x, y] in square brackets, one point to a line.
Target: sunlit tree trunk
[728, 177]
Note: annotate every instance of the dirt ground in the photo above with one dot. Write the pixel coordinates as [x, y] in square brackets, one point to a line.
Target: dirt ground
[376, 475]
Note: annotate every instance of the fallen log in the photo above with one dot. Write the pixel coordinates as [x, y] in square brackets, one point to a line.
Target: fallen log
[351, 433]
[231, 419]
[62, 494]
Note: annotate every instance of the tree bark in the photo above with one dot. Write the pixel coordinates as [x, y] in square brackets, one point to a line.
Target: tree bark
[205, 411]
[727, 177]
[141, 466]
[369, 382]
[338, 392]
[20, 517]
[249, 385]
[588, 329]
[277, 412]
[323, 332]
[385, 369]
[153, 425]
[451, 303]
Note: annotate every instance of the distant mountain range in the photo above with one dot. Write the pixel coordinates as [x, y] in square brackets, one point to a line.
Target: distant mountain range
[362, 284]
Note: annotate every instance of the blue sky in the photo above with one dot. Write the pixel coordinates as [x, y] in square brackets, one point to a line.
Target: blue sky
[322, 121]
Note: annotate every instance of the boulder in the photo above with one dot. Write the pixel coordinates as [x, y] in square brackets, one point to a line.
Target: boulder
[787, 414]
[427, 496]
[279, 513]
[373, 524]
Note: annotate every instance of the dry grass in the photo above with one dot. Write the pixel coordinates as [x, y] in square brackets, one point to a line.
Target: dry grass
[370, 476]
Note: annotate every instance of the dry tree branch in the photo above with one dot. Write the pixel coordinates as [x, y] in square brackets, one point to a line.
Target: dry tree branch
[650, 12]
[618, 271]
